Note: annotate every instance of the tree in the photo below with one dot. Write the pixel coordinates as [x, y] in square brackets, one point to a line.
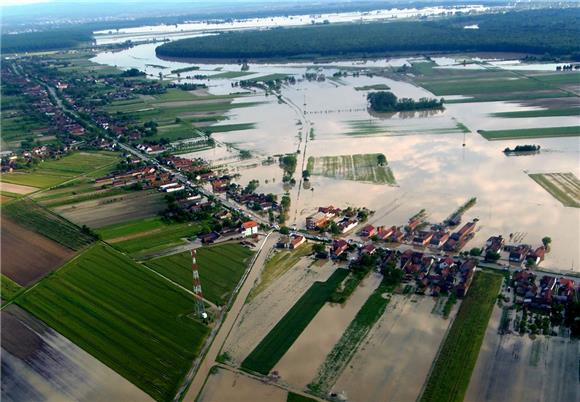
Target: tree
[546, 241]
[381, 159]
[285, 230]
[319, 248]
[306, 175]
[492, 256]
[475, 251]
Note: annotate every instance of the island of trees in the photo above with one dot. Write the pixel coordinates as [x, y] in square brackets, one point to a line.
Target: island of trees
[385, 101]
[522, 149]
[546, 31]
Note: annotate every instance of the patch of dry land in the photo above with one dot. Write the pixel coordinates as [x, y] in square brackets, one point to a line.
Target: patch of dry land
[371, 168]
[16, 188]
[263, 312]
[518, 369]
[112, 210]
[320, 336]
[565, 187]
[28, 256]
[225, 385]
[39, 364]
[393, 362]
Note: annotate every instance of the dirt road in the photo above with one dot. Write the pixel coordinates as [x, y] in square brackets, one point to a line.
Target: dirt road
[211, 355]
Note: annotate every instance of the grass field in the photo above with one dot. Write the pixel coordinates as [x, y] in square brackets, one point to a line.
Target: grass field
[543, 132]
[277, 266]
[127, 317]
[231, 74]
[144, 236]
[367, 128]
[271, 349]
[53, 172]
[8, 288]
[483, 86]
[565, 187]
[360, 167]
[352, 337]
[220, 269]
[574, 111]
[292, 397]
[38, 219]
[451, 371]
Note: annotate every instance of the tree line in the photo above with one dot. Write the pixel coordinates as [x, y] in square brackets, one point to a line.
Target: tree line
[531, 31]
[385, 101]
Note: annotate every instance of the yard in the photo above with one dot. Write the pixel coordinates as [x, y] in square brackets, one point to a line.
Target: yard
[220, 268]
[132, 320]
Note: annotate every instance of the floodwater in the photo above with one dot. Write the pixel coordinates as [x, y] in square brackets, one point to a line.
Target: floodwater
[320, 336]
[178, 31]
[395, 358]
[436, 165]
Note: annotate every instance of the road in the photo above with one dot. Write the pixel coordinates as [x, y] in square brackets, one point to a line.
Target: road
[208, 360]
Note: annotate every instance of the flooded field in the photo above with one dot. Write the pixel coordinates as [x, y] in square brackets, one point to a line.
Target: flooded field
[225, 385]
[437, 158]
[38, 364]
[395, 358]
[517, 368]
[261, 314]
[321, 335]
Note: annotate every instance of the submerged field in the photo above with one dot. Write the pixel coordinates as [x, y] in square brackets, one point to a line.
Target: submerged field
[565, 187]
[543, 132]
[132, 320]
[271, 349]
[220, 269]
[359, 167]
[452, 368]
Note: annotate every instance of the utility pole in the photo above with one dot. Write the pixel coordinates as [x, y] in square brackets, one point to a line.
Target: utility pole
[197, 287]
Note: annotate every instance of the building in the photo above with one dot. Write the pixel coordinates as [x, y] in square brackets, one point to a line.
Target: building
[316, 221]
[347, 224]
[384, 233]
[368, 231]
[422, 238]
[296, 242]
[466, 230]
[338, 247]
[249, 228]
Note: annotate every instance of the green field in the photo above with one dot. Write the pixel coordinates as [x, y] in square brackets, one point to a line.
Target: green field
[124, 315]
[8, 288]
[271, 349]
[220, 269]
[278, 265]
[270, 77]
[574, 111]
[368, 128]
[483, 86]
[515, 96]
[350, 340]
[293, 397]
[451, 371]
[231, 74]
[38, 219]
[543, 132]
[145, 236]
[360, 167]
[229, 127]
[565, 187]
[53, 172]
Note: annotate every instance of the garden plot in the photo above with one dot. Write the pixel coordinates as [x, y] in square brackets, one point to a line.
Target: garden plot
[40, 364]
[395, 358]
[16, 188]
[565, 187]
[518, 369]
[264, 311]
[359, 167]
[225, 385]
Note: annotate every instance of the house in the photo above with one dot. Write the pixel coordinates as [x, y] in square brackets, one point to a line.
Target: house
[422, 238]
[467, 229]
[494, 244]
[330, 211]
[347, 224]
[368, 249]
[296, 242]
[384, 233]
[338, 247]
[249, 228]
[219, 186]
[209, 238]
[519, 253]
[438, 239]
[368, 231]
[397, 237]
[316, 221]
[537, 256]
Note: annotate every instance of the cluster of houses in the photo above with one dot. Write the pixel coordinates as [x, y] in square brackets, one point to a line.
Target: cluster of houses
[515, 253]
[255, 201]
[437, 237]
[542, 293]
[147, 177]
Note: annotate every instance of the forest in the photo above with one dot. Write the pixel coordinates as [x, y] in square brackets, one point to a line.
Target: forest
[552, 31]
[45, 40]
[385, 101]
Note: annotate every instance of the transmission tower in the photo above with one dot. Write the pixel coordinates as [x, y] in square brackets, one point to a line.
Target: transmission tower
[197, 286]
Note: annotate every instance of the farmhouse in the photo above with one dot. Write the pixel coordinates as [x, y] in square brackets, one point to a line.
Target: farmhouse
[316, 221]
[384, 233]
[368, 231]
[347, 224]
[338, 247]
[296, 242]
[249, 228]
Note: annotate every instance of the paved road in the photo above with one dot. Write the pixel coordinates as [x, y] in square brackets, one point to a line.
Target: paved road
[208, 361]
